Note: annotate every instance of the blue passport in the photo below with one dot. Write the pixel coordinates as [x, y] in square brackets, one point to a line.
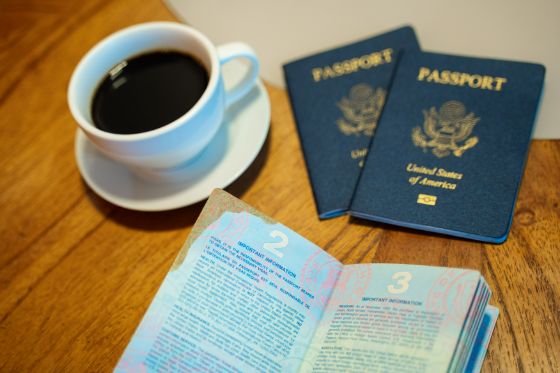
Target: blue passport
[449, 153]
[337, 97]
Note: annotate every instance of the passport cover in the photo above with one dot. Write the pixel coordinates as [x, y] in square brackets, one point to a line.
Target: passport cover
[450, 149]
[337, 97]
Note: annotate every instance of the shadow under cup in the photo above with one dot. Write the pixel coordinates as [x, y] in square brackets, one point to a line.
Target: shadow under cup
[156, 154]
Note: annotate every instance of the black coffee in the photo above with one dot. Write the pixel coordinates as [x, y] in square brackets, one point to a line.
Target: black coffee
[148, 92]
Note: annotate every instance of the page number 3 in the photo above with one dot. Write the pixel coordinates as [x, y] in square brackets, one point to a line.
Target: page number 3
[402, 279]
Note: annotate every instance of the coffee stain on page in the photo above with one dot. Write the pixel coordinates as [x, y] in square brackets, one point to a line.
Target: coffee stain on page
[218, 203]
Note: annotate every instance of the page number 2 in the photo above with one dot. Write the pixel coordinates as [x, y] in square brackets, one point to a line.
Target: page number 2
[274, 246]
[402, 279]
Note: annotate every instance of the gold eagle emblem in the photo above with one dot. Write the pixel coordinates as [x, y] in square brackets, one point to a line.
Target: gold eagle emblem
[447, 131]
[361, 110]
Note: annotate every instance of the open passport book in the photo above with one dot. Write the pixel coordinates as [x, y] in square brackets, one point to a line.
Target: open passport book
[248, 294]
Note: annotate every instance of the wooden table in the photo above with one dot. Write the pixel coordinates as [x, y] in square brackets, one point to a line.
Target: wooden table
[77, 273]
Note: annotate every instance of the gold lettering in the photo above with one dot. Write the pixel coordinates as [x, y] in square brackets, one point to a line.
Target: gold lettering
[338, 69]
[388, 54]
[316, 72]
[449, 174]
[364, 62]
[376, 59]
[472, 80]
[486, 82]
[348, 67]
[358, 153]
[412, 167]
[499, 82]
[437, 184]
[352, 65]
[422, 73]
[445, 77]
[328, 73]
[460, 79]
[434, 76]
[454, 78]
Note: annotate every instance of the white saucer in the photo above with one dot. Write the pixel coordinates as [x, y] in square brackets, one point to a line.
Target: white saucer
[230, 153]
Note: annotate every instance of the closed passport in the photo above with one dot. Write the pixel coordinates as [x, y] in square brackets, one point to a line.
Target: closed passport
[450, 149]
[337, 97]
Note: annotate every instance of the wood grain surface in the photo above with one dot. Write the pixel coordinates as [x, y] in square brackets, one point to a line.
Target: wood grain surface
[77, 273]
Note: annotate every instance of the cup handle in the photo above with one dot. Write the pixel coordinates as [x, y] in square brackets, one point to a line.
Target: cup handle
[234, 50]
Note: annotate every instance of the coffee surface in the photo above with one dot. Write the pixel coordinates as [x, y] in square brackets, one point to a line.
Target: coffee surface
[147, 92]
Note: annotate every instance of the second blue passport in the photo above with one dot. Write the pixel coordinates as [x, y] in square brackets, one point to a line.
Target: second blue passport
[337, 97]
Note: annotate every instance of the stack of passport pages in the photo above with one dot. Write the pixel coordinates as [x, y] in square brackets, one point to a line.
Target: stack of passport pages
[422, 140]
[248, 294]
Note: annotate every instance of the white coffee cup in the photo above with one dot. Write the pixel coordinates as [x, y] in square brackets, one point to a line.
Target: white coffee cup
[153, 154]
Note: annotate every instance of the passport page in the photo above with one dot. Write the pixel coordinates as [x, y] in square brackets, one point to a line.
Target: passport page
[394, 317]
[244, 294]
